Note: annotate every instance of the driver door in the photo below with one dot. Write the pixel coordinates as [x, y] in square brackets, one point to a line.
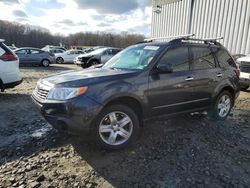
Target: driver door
[171, 92]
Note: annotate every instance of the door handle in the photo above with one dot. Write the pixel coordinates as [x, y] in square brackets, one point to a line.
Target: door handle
[189, 78]
[219, 75]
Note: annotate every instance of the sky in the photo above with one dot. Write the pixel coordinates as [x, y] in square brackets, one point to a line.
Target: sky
[72, 16]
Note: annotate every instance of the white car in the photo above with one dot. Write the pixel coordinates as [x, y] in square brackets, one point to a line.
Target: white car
[244, 64]
[10, 75]
[68, 56]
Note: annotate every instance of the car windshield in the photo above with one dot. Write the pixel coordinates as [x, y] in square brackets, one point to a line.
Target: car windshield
[98, 51]
[136, 57]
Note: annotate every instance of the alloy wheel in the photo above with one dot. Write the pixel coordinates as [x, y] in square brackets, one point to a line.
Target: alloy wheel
[224, 106]
[116, 128]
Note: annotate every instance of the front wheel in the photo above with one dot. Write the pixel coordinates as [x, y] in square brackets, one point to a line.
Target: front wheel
[116, 127]
[60, 60]
[222, 105]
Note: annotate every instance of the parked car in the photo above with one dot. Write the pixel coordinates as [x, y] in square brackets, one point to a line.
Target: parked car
[56, 51]
[34, 56]
[244, 64]
[68, 56]
[10, 75]
[51, 47]
[99, 56]
[145, 81]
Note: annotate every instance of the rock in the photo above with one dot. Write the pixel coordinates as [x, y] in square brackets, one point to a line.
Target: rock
[76, 184]
[34, 184]
[40, 178]
[12, 180]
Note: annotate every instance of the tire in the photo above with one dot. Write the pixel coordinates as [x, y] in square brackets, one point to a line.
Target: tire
[222, 106]
[116, 127]
[93, 62]
[59, 60]
[45, 63]
[244, 88]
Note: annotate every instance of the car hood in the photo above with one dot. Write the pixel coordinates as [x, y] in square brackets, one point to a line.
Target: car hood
[86, 77]
[246, 58]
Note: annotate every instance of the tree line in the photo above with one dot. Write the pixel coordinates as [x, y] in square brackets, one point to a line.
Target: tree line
[23, 36]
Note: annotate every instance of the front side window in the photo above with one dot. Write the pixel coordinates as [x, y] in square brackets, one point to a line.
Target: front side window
[136, 57]
[202, 58]
[178, 58]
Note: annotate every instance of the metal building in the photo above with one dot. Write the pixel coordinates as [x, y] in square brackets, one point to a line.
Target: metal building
[205, 18]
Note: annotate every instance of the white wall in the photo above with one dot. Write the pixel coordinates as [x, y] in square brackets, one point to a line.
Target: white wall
[210, 18]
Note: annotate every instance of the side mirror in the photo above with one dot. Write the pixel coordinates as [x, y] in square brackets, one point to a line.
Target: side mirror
[164, 68]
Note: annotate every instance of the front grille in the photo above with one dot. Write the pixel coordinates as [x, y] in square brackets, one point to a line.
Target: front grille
[40, 94]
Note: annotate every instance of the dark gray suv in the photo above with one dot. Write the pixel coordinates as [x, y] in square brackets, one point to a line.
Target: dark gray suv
[144, 81]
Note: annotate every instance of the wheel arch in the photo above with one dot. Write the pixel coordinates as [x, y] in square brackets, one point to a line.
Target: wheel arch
[226, 88]
[129, 101]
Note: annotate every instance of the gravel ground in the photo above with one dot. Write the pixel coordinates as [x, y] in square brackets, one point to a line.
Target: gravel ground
[188, 151]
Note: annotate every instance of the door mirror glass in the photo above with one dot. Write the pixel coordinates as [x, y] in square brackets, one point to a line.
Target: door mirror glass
[164, 68]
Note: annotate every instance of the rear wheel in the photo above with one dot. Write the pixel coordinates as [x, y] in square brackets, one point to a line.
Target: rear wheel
[116, 127]
[222, 105]
[45, 63]
[60, 60]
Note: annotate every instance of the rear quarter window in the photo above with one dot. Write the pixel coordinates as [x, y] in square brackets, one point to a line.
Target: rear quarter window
[223, 57]
[202, 58]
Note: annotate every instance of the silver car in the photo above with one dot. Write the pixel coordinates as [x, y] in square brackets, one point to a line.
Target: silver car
[34, 56]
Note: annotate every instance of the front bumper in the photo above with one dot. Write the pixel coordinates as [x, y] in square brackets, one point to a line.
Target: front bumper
[74, 116]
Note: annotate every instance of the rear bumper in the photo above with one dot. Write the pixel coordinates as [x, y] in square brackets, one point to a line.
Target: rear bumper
[72, 116]
[11, 85]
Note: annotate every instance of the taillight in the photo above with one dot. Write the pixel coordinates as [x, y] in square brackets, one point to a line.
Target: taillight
[8, 57]
[237, 71]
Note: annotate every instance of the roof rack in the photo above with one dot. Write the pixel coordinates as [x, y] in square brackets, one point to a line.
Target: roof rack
[205, 40]
[169, 37]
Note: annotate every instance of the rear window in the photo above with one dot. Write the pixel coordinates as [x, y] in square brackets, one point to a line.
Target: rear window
[223, 57]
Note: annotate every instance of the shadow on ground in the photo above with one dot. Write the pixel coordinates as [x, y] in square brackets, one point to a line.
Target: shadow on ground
[188, 151]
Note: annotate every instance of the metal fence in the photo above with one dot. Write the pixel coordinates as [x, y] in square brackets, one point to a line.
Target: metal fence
[205, 18]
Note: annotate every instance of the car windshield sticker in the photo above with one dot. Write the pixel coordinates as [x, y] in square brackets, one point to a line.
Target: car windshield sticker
[151, 48]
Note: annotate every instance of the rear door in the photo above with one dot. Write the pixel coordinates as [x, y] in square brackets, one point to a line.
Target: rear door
[172, 92]
[206, 74]
[36, 56]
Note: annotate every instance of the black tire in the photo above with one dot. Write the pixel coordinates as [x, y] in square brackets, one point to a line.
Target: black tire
[219, 113]
[93, 62]
[45, 63]
[59, 60]
[102, 117]
[244, 88]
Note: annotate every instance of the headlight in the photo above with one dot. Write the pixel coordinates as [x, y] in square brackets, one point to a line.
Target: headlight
[65, 93]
